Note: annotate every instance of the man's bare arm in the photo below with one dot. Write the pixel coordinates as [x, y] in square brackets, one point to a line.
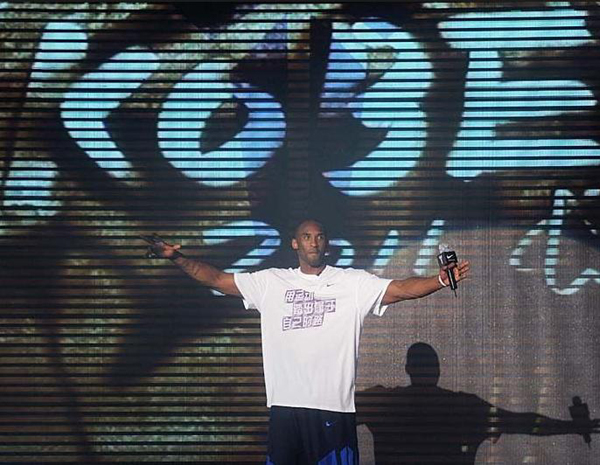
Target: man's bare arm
[207, 275]
[414, 288]
[202, 272]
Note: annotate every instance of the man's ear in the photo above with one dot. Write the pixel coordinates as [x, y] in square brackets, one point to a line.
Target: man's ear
[294, 244]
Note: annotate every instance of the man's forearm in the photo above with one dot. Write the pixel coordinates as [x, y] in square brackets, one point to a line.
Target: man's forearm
[200, 271]
[411, 288]
[206, 274]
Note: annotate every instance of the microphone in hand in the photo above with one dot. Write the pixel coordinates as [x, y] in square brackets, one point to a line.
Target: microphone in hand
[447, 258]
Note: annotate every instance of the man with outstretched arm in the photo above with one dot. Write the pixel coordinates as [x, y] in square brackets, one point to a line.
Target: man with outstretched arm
[311, 320]
[424, 423]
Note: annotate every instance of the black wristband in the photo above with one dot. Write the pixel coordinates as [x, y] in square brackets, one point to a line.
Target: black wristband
[176, 255]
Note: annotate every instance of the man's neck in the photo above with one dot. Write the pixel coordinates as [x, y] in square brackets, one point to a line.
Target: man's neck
[307, 269]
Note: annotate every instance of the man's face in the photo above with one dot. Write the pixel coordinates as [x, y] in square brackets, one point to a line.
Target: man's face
[310, 243]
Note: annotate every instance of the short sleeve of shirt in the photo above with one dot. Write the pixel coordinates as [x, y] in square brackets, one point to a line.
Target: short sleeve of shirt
[370, 292]
[253, 287]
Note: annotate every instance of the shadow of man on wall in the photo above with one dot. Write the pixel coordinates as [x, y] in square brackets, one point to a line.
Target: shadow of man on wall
[423, 423]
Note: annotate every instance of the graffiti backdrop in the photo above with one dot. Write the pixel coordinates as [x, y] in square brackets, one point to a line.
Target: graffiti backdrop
[401, 125]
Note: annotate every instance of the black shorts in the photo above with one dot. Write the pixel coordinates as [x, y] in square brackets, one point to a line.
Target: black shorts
[311, 437]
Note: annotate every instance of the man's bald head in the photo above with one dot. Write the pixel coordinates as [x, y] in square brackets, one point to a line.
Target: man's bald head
[304, 222]
[311, 244]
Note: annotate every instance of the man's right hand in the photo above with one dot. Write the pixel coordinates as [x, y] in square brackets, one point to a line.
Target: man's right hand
[158, 248]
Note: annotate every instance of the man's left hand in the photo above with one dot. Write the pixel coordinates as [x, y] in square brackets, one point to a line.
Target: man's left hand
[460, 271]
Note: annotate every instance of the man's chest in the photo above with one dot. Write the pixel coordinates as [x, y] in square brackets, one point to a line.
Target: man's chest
[297, 306]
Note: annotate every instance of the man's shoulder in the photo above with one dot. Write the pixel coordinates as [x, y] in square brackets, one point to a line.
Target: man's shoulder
[274, 271]
[350, 272]
[269, 270]
[283, 271]
[266, 274]
[330, 271]
[346, 270]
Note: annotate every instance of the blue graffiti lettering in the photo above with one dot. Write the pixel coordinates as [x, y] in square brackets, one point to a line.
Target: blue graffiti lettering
[186, 111]
[403, 86]
[491, 101]
[89, 101]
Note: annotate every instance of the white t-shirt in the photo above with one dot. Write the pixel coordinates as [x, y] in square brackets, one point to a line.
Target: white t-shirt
[311, 326]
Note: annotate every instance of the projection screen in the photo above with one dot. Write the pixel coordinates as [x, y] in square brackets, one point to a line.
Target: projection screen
[402, 126]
